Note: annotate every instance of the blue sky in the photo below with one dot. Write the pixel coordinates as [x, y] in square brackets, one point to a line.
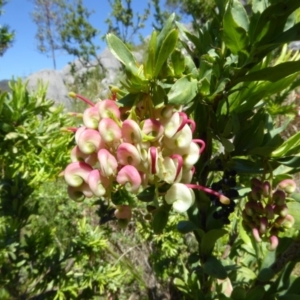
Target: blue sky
[23, 58]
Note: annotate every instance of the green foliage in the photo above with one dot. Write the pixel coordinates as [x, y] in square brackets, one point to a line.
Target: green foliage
[6, 35]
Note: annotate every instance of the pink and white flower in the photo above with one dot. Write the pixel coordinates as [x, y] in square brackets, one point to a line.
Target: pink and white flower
[130, 178]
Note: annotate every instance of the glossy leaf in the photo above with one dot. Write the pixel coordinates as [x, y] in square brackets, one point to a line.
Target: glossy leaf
[235, 26]
[287, 146]
[186, 226]
[294, 208]
[209, 240]
[183, 91]
[150, 63]
[272, 73]
[266, 273]
[257, 293]
[160, 220]
[165, 50]
[121, 52]
[214, 268]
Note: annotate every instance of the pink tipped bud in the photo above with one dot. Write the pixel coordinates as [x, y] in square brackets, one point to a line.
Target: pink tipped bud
[279, 197]
[256, 192]
[273, 243]
[131, 132]
[89, 141]
[77, 155]
[288, 185]
[263, 225]
[153, 160]
[108, 109]
[256, 182]
[109, 130]
[224, 200]
[123, 212]
[127, 154]
[108, 163]
[76, 173]
[256, 235]
[98, 183]
[79, 193]
[269, 212]
[285, 222]
[281, 210]
[266, 189]
[91, 117]
[130, 178]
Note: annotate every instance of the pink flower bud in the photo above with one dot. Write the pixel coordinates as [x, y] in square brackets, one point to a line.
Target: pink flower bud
[255, 182]
[130, 178]
[288, 185]
[89, 141]
[98, 183]
[266, 189]
[285, 222]
[108, 163]
[76, 173]
[180, 196]
[80, 192]
[269, 212]
[153, 130]
[256, 192]
[78, 132]
[131, 132]
[77, 155]
[263, 225]
[123, 212]
[127, 154]
[91, 117]
[256, 235]
[108, 109]
[281, 210]
[273, 243]
[279, 197]
[109, 130]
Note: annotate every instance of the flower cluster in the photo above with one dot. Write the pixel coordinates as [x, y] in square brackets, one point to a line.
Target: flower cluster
[145, 148]
[266, 212]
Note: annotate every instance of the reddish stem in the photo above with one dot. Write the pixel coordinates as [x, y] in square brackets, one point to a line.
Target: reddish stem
[89, 102]
[184, 120]
[192, 123]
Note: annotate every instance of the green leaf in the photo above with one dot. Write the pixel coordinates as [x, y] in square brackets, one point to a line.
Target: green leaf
[165, 31]
[257, 293]
[209, 240]
[214, 268]
[122, 53]
[160, 219]
[128, 100]
[159, 96]
[178, 62]
[150, 63]
[167, 47]
[186, 226]
[287, 146]
[238, 293]
[147, 195]
[235, 26]
[294, 208]
[266, 273]
[272, 73]
[183, 91]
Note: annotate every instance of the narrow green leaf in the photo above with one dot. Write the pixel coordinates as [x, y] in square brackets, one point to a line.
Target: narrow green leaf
[121, 52]
[183, 91]
[150, 63]
[167, 47]
[147, 195]
[209, 240]
[160, 220]
[214, 268]
[288, 145]
[272, 73]
[165, 31]
[266, 273]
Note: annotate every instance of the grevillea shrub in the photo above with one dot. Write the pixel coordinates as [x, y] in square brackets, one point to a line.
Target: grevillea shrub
[192, 130]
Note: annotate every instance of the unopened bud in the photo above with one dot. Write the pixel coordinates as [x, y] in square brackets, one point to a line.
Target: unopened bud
[249, 208]
[263, 226]
[123, 212]
[273, 243]
[256, 192]
[255, 183]
[288, 185]
[279, 197]
[256, 235]
[266, 189]
[281, 210]
[269, 212]
[285, 222]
